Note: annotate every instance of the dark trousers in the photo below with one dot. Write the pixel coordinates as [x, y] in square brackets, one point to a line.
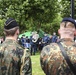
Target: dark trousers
[33, 48]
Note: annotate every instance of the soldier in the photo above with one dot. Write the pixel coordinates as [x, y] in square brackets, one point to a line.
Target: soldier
[54, 38]
[53, 62]
[14, 59]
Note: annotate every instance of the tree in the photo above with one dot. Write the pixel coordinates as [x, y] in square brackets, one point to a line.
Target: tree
[66, 8]
[30, 14]
[1, 27]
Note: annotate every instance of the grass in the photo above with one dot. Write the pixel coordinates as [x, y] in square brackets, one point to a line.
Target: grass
[36, 68]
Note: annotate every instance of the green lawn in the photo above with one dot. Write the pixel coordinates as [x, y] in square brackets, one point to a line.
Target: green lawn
[36, 68]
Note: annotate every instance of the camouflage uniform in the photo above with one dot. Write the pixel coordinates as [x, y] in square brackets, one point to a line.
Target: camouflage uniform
[52, 60]
[14, 59]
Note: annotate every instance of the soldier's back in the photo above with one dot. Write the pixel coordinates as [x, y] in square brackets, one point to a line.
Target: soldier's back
[52, 60]
[10, 58]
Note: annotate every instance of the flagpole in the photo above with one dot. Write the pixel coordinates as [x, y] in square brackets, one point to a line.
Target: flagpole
[72, 8]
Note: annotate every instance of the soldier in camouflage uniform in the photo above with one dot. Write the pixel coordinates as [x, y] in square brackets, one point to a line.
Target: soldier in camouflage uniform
[51, 58]
[14, 59]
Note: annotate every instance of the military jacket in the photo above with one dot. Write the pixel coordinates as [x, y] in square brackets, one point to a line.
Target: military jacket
[52, 60]
[14, 59]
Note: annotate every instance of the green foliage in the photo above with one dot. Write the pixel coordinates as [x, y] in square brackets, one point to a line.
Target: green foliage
[1, 26]
[66, 8]
[55, 24]
[35, 14]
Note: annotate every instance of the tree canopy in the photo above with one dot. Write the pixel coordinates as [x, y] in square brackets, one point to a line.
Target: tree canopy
[35, 14]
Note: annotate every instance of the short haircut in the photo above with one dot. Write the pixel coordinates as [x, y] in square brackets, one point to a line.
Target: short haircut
[11, 31]
[67, 24]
